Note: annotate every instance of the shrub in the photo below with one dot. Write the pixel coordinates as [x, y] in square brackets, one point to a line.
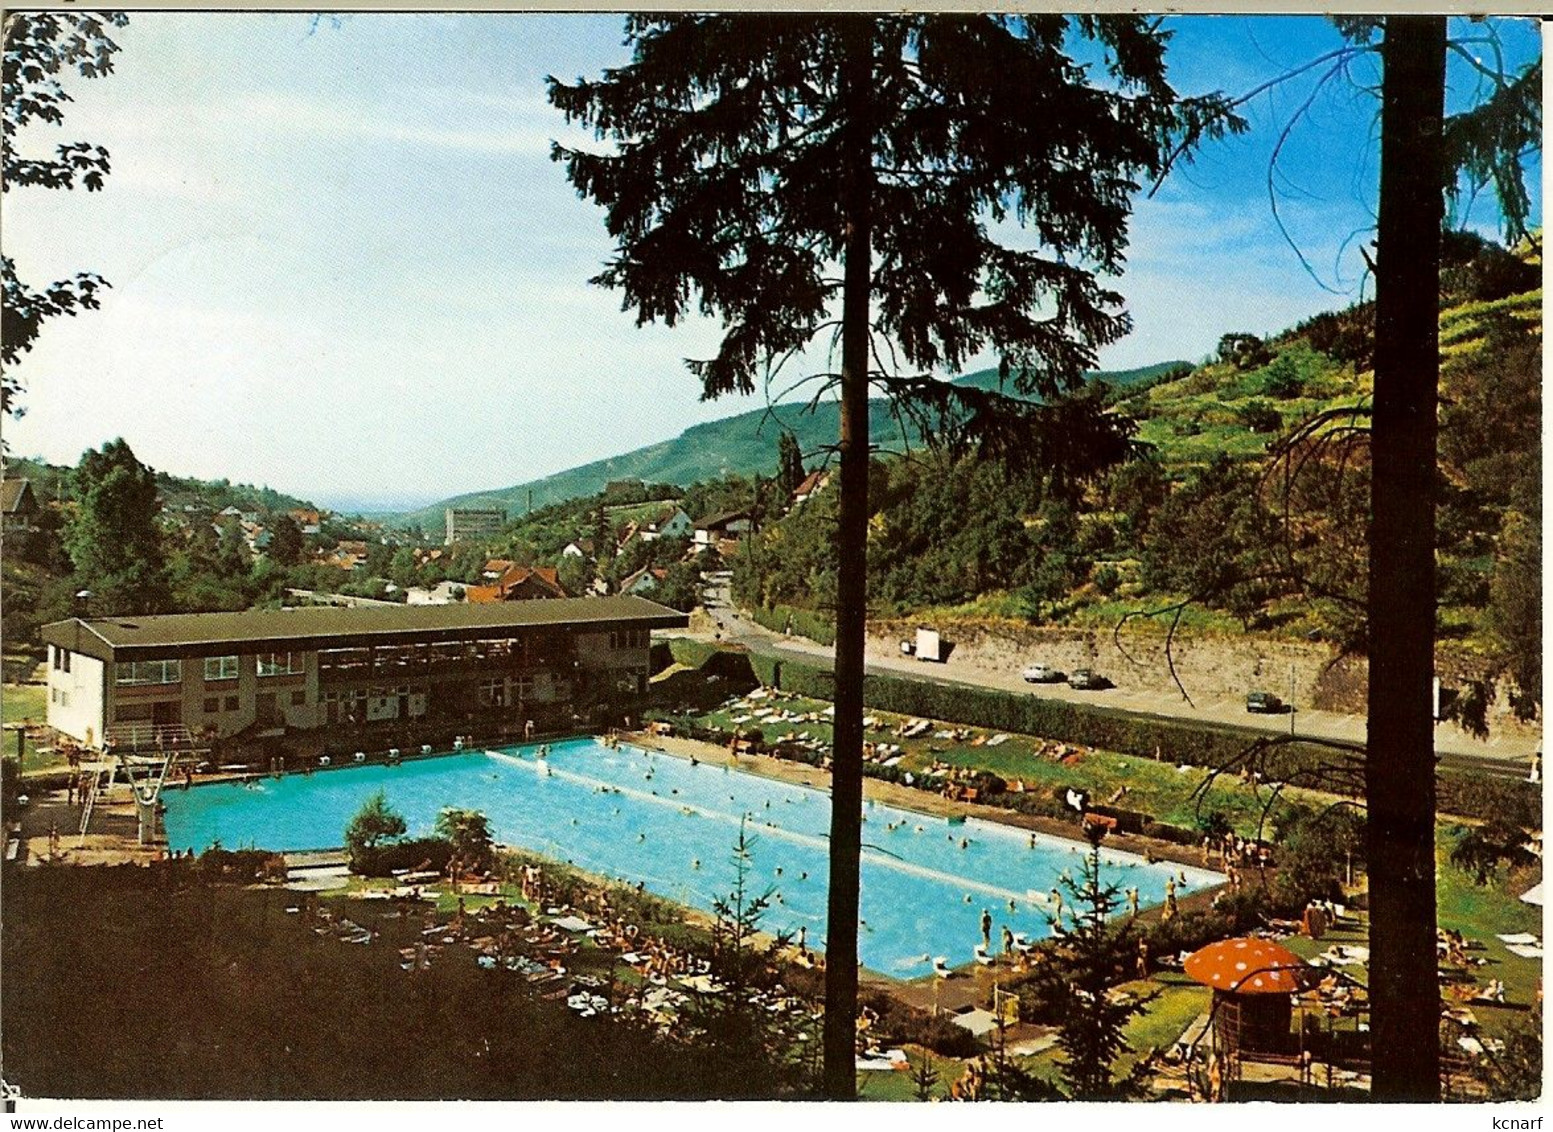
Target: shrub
[243, 864]
[1282, 379]
[417, 854]
[900, 1024]
[1259, 416]
[1479, 796]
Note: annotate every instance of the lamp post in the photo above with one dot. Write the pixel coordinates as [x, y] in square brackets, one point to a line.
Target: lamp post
[1291, 699]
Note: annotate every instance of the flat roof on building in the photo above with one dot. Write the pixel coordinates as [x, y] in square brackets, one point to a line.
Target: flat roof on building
[314, 627]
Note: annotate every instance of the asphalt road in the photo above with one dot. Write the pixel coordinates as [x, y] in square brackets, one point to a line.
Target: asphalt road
[1501, 755]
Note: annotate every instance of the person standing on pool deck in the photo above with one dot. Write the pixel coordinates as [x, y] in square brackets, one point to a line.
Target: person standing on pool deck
[986, 929]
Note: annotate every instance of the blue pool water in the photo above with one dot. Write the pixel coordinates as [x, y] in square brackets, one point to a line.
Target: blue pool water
[649, 817]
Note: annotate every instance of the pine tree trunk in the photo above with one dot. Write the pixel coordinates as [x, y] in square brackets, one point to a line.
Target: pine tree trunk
[846, 792]
[1399, 780]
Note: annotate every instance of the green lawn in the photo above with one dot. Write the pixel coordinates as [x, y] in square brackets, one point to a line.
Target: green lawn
[1159, 789]
[26, 702]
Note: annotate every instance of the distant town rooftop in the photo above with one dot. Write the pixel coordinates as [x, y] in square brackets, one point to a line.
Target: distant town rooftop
[313, 627]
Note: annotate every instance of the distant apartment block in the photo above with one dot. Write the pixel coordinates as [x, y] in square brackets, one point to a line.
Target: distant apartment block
[467, 524]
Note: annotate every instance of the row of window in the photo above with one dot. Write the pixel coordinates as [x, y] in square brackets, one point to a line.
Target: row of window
[630, 639]
[61, 659]
[216, 668]
[535, 650]
[59, 696]
[148, 672]
[214, 704]
[493, 692]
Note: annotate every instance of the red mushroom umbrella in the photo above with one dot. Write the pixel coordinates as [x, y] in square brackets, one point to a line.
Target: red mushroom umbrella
[1247, 966]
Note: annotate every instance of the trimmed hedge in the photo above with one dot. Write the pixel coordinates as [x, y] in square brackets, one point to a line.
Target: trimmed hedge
[691, 652]
[768, 670]
[243, 864]
[803, 622]
[431, 854]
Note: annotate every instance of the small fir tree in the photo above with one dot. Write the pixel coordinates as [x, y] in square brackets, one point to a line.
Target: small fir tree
[372, 825]
[1090, 957]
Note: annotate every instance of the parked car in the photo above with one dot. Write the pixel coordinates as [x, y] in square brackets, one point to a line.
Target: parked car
[1087, 679]
[1264, 703]
[1041, 674]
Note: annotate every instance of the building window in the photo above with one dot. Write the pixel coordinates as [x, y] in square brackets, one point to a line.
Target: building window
[221, 668]
[60, 696]
[281, 664]
[332, 661]
[525, 688]
[298, 698]
[630, 639]
[148, 672]
[212, 705]
[61, 659]
[231, 703]
[493, 693]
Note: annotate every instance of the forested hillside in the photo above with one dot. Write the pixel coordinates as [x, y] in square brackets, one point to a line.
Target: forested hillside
[1247, 507]
[740, 445]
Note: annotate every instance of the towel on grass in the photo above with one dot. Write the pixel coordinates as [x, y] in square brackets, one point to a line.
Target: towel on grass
[1522, 938]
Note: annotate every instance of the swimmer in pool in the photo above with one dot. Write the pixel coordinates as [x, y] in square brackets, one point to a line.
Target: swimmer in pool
[779, 870]
[696, 863]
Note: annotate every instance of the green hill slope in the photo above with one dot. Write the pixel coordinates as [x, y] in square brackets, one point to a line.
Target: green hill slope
[742, 444]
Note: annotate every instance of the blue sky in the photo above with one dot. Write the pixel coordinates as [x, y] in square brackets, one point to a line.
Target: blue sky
[342, 263]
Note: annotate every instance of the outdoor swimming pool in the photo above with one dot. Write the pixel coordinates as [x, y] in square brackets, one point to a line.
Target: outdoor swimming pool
[655, 818]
